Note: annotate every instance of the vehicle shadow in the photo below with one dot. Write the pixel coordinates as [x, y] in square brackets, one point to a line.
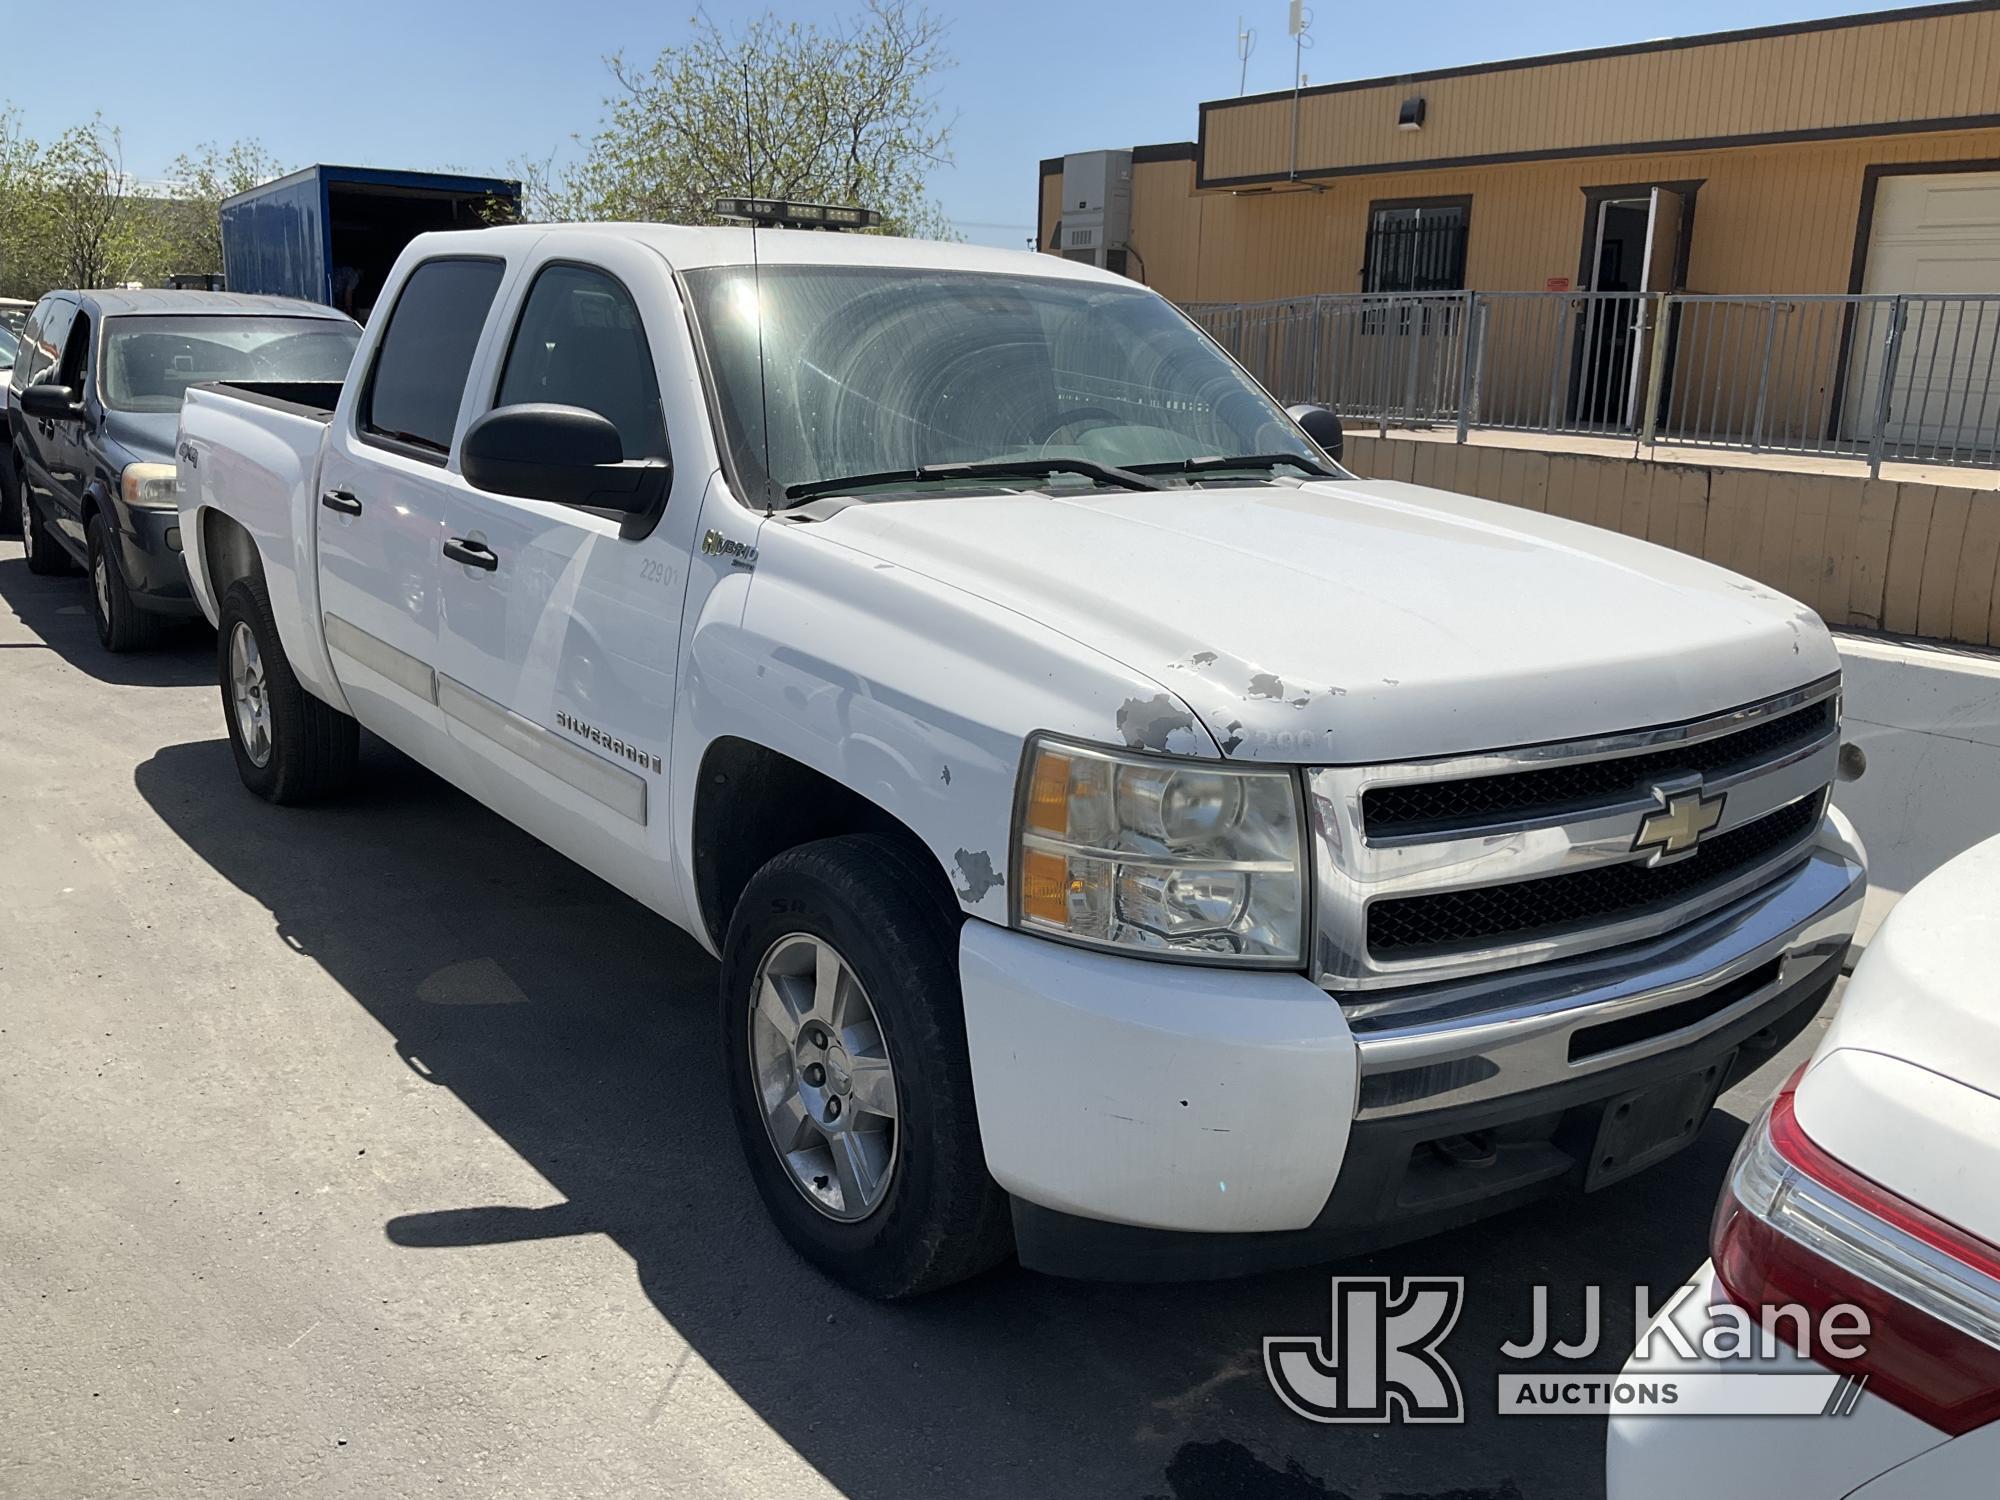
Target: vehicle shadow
[602, 1072]
[57, 612]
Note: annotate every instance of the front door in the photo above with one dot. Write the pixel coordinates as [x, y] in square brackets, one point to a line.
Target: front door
[559, 645]
[381, 507]
[42, 440]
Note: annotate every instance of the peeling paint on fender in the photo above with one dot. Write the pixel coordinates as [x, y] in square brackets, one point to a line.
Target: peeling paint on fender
[976, 874]
[1145, 723]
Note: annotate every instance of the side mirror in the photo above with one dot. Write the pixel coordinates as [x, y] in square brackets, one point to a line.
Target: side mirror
[1322, 426]
[563, 454]
[51, 402]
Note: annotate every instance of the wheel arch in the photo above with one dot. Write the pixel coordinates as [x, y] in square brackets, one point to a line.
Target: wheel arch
[227, 552]
[752, 803]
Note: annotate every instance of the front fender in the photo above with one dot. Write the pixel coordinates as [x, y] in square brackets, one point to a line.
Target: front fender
[910, 692]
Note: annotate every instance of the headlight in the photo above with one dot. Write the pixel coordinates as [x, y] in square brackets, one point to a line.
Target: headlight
[150, 484]
[1182, 859]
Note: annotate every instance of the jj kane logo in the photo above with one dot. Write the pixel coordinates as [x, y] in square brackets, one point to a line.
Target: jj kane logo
[1378, 1360]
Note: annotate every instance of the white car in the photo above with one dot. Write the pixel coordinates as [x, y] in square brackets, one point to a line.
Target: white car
[1121, 828]
[1872, 1180]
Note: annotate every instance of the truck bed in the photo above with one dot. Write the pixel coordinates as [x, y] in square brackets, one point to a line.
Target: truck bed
[305, 398]
[249, 450]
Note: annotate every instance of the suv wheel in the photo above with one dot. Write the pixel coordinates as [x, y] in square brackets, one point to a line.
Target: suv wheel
[844, 1039]
[121, 624]
[289, 746]
[45, 555]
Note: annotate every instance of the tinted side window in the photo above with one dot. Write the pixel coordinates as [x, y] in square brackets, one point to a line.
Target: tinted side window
[420, 369]
[24, 357]
[75, 369]
[56, 318]
[580, 343]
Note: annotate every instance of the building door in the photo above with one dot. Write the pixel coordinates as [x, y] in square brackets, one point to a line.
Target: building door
[1632, 246]
[1936, 236]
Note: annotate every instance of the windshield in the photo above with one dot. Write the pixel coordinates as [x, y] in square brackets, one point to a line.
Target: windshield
[9, 347]
[868, 370]
[14, 319]
[150, 362]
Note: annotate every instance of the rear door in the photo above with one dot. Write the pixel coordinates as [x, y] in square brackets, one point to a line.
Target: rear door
[384, 485]
[557, 659]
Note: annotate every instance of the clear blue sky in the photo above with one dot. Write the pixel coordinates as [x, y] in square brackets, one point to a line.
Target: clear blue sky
[474, 84]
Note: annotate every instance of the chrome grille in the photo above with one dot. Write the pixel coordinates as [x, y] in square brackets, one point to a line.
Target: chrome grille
[1431, 806]
[1471, 864]
[1556, 903]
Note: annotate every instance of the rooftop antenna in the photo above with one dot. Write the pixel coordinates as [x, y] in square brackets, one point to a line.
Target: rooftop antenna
[1246, 43]
[1298, 23]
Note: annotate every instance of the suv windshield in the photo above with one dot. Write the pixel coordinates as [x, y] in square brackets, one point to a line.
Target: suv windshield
[150, 362]
[871, 370]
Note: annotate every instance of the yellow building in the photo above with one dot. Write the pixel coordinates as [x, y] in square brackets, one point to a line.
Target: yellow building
[1850, 155]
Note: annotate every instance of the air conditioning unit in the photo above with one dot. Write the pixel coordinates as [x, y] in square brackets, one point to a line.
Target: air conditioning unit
[1097, 208]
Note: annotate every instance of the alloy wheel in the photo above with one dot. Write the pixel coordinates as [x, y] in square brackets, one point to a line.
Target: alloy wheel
[249, 694]
[825, 1083]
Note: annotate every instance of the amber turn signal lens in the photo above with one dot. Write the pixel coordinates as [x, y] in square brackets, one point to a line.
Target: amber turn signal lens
[1045, 886]
[1048, 794]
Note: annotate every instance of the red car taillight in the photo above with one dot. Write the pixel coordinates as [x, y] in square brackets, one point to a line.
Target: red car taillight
[1795, 1227]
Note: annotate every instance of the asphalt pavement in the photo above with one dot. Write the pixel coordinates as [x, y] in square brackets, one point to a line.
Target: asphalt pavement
[377, 1150]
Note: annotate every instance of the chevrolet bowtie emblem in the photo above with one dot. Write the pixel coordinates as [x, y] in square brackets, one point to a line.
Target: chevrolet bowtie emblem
[1684, 817]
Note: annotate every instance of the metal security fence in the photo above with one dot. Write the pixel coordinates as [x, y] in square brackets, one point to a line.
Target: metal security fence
[1913, 377]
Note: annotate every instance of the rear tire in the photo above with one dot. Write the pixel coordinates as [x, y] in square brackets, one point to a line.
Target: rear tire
[121, 624]
[927, 1213]
[289, 746]
[46, 557]
[10, 495]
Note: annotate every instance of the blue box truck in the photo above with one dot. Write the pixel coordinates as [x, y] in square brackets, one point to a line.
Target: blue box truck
[330, 234]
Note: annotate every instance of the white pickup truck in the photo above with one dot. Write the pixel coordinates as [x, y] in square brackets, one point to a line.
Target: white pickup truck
[1126, 836]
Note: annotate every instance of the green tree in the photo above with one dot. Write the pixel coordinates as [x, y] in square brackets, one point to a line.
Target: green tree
[27, 252]
[80, 195]
[188, 219]
[781, 109]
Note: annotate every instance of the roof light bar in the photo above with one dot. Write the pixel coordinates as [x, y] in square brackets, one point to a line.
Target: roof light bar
[782, 214]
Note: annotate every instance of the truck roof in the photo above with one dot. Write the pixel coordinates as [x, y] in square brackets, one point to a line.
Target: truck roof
[687, 246]
[113, 303]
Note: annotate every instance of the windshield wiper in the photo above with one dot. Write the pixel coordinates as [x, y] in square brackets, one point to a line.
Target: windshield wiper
[1241, 461]
[999, 468]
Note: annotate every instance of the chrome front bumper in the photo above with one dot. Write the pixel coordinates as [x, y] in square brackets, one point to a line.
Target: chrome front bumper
[1438, 1046]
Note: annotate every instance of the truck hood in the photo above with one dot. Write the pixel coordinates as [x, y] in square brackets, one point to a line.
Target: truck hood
[1360, 621]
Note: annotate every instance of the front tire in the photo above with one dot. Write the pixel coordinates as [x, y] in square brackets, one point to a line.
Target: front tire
[289, 746]
[121, 624]
[844, 1046]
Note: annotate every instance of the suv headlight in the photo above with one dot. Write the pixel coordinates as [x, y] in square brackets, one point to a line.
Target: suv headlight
[150, 484]
[1172, 858]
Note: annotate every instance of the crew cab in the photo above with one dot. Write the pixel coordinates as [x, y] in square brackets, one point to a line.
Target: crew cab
[1126, 835]
[93, 401]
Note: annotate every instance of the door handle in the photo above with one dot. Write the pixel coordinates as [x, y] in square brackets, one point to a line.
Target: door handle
[472, 554]
[341, 501]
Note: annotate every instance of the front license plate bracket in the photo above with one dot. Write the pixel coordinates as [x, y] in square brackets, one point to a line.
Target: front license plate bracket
[1650, 1124]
